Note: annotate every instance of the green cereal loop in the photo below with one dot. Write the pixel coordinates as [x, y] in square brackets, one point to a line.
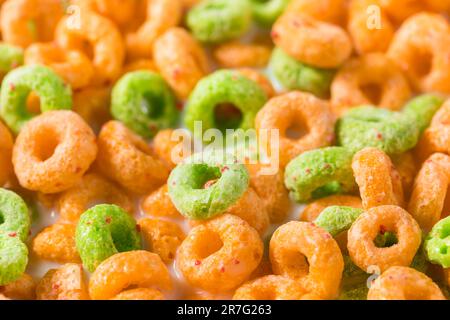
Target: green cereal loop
[315, 169]
[10, 57]
[223, 87]
[186, 187]
[143, 101]
[13, 258]
[215, 21]
[437, 243]
[337, 219]
[103, 231]
[19, 83]
[367, 126]
[265, 12]
[422, 109]
[14, 215]
[295, 75]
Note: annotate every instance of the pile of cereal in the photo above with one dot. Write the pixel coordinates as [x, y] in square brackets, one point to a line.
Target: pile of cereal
[105, 104]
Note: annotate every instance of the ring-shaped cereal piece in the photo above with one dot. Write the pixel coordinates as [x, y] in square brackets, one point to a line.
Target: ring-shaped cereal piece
[159, 204]
[97, 37]
[337, 219]
[297, 112]
[364, 252]
[221, 89]
[18, 84]
[400, 10]
[142, 269]
[143, 101]
[309, 254]
[103, 231]
[140, 294]
[24, 22]
[67, 64]
[331, 11]
[437, 243]
[172, 146]
[296, 75]
[11, 57]
[126, 158]
[53, 151]
[181, 60]
[315, 208]
[234, 54]
[216, 21]
[14, 257]
[267, 12]
[403, 283]
[203, 189]
[421, 48]
[231, 252]
[93, 188]
[23, 288]
[371, 79]
[110, 9]
[15, 217]
[378, 180]
[316, 172]
[311, 41]
[405, 164]
[6, 147]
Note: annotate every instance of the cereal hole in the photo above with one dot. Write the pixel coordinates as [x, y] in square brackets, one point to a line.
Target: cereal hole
[227, 116]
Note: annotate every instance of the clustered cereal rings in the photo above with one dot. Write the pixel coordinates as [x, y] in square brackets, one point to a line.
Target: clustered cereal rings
[315, 208]
[370, 79]
[421, 48]
[311, 41]
[319, 171]
[203, 188]
[10, 57]
[103, 231]
[297, 111]
[382, 219]
[235, 54]
[142, 269]
[337, 219]
[403, 283]
[15, 218]
[295, 243]
[296, 75]
[92, 188]
[18, 84]
[437, 243]
[143, 102]
[220, 254]
[181, 60]
[216, 21]
[67, 64]
[267, 12]
[53, 151]
[227, 89]
[378, 180]
[6, 146]
[126, 158]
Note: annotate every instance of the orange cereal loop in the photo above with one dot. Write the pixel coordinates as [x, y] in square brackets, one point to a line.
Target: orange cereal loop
[362, 249]
[319, 44]
[6, 146]
[92, 104]
[379, 182]
[259, 78]
[92, 189]
[304, 123]
[141, 269]
[73, 66]
[98, 38]
[309, 254]
[160, 16]
[21, 289]
[126, 158]
[159, 204]
[181, 60]
[221, 254]
[406, 167]
[162, 237]
[172, 146]
[332, 11]
[56, 243]
[65, 283]
[272, 287]
[369, 38]
[421, 47]
[237, 55]
[313, 210]
[53, 151]
[372, 79]
[120, 12]
[430, 190]
[140, 294]
[403, 283]
[24, 22]
[399, 10]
